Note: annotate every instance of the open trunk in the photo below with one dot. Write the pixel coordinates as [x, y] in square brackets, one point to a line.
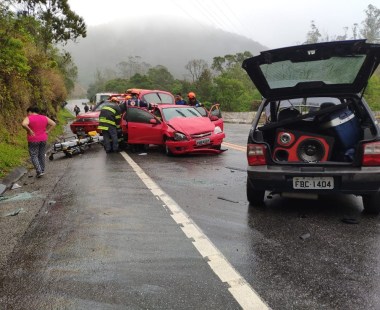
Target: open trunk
[315, 130]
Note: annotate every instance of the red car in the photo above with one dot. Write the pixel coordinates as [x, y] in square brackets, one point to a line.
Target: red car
[180, 129]
[89, 121]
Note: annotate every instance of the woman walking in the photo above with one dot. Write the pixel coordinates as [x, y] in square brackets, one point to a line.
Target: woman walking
[37, 126]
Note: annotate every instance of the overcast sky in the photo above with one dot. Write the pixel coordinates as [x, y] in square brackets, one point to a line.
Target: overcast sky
[273, 23]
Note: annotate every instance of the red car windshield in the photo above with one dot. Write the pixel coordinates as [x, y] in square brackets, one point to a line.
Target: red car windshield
[173, 112]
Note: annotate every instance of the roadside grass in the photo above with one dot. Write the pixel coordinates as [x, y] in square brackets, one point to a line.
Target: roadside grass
[16, 153]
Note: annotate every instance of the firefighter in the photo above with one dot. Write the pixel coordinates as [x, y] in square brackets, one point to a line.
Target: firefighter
[193, 100]
[109, 124]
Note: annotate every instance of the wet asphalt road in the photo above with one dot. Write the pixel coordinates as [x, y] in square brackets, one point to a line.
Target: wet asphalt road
[107, 242]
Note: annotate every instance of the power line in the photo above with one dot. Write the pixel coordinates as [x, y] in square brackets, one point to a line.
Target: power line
[210, 15]
[244, 27]
[226, 17]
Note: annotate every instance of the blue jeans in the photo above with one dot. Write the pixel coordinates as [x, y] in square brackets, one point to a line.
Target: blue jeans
[110, 140]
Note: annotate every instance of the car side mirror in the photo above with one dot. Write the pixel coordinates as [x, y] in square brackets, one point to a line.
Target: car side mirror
[154, 121]
[214, 118]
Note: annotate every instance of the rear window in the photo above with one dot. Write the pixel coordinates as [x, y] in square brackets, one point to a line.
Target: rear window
[158, 98]
[335, 70]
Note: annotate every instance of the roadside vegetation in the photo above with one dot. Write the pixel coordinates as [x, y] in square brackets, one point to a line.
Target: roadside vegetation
[14, 151]
[33, 71]
[36, 70]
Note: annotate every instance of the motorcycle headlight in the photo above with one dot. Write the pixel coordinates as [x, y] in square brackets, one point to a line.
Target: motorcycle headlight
[217, 130]
[178, 136]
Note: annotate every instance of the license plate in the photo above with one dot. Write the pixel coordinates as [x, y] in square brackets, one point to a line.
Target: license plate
[203, 141]
[313, 182]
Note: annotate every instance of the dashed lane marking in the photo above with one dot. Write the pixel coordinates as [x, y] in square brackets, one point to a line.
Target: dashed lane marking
[239, 288]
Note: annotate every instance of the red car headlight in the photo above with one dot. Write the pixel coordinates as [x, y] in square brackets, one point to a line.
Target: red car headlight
[178, 136]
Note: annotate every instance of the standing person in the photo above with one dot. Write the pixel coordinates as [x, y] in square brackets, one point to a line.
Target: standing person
[193, 100]
[136, 102]
[76, 110]
[179, 100]
[86, 108]
[38, 127]
[109, 123]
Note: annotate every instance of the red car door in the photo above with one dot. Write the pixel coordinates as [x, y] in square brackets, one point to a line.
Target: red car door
[143, 127]
[215, 115]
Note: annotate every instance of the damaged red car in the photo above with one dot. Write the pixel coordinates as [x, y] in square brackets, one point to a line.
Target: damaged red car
[179, 129]
[89, 121]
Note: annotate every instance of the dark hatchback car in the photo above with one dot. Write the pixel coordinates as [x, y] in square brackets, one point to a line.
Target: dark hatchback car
[314, 133]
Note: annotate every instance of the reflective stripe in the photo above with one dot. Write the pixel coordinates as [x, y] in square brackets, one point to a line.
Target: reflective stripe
[102, 128]
[107, 121]
[109, 109]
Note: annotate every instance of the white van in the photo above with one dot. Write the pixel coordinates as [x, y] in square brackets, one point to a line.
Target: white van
[101, 97]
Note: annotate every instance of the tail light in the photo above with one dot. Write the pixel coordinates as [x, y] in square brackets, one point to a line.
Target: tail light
[256, 154]
[371, 154]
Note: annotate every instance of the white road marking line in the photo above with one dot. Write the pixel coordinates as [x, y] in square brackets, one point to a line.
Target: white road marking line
[239, 288]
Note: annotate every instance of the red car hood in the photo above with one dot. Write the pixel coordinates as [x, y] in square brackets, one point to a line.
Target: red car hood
[193, 125]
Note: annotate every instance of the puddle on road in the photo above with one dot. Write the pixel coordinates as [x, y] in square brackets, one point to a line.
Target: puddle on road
[20, 197]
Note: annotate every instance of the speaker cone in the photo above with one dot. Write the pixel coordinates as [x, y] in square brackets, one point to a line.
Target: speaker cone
[311, 150]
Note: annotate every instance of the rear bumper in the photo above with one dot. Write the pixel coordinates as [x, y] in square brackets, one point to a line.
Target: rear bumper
[357, 181]
[85, 128]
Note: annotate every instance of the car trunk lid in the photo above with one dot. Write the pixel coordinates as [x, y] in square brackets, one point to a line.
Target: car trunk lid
[341, 67]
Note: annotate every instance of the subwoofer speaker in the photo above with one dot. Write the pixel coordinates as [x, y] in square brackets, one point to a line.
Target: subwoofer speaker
[298, 146]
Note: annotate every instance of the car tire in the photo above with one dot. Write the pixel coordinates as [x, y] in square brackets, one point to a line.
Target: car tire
[255, 197]
[371, 203]
[166, 148]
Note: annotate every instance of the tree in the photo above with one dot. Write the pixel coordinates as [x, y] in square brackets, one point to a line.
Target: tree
[140, 81]
[134, 65]
[160, 77]
[355, 30]
[204, 86]
[67, 67]
[59, 23]
[196, 67]
[221, 64]
[371, 25]
[313, 35]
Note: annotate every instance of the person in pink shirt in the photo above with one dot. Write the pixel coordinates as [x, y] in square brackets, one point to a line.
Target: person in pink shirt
[38, 127]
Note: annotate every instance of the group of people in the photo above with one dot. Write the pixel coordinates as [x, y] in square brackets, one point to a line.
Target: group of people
[77, 109]
[192, 100]
[110, 116]
[110, 119]
[38, 125]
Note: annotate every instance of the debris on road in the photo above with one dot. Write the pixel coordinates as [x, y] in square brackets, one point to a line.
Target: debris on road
[15, 186]
[222, 198]
[15, 212]
[305, 236]
[350, 220]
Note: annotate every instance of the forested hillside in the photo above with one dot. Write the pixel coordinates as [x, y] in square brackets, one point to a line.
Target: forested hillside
[166, 41]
